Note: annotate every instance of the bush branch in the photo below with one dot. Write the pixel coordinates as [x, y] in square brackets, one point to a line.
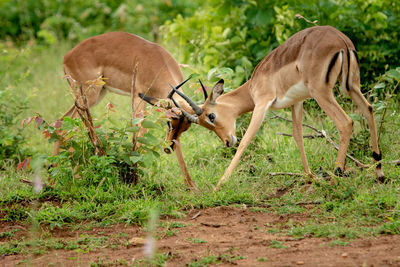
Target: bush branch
[323, 133]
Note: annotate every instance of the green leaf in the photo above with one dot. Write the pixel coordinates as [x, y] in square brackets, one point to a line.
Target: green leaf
[136, 159]
[151, 139]
[211, 73]
[113, 121]
[149, 124]
[148, 159]
[394, 73]
[133, 129]
[137, 121]
[194, 75]
[379, 86]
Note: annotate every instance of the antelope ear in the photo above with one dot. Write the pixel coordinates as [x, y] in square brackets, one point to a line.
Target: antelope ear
[217, 90]
[151, 100]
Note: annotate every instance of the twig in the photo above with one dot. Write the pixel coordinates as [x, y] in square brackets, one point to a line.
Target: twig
[196, 215]
[304, 136]
[86, 117]
[26, 182]
[397, 162]
[284, 173]
[133, 89]
[307, 20]
[308, 203]
[323, 133]
[32, 183]
[356, 161]
[215, 225]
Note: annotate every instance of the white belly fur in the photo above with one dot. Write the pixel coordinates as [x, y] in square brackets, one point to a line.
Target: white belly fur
[296, 93]
[117, 91]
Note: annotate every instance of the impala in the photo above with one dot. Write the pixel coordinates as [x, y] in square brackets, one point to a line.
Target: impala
[307, 65]
[112, 56]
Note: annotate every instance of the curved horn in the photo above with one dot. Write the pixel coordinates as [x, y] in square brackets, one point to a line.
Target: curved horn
[178, 86]
[204, 90]
[151, 100]
[190, 117]
[197, 110]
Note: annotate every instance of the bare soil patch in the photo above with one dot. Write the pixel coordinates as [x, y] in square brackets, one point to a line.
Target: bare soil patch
[233, 236]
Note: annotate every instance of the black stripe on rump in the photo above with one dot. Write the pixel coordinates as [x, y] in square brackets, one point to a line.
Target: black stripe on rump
[355, 54]
[331, 64]
[348, 70]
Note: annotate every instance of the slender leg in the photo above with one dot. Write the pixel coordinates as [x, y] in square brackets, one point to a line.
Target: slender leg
[367, 111]
[328, 103]
[297, 113]
[255, 123]
[186, 176]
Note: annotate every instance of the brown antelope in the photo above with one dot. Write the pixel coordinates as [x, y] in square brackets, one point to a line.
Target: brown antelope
[113, 56]
[307, 65]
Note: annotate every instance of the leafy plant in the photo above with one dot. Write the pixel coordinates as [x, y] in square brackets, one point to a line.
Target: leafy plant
[79, 160]
[12, 138]
[49, 21]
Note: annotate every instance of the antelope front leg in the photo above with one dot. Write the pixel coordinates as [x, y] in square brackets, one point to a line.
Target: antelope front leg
[255, 123]
[187, 179]
[297, 118]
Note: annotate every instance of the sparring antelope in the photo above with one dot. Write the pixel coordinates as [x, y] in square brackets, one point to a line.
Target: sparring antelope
[307, 65]
[112, 56]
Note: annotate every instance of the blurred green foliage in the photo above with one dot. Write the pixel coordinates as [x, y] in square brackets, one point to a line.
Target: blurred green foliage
[238, 34]
[78, 19]
[231, 34]
[11, 138]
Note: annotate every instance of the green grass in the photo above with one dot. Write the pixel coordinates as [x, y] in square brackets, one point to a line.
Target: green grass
[213, 260]
[355, 206]
[84, 243]
[196, 240]
[276, 244]
[338, 242]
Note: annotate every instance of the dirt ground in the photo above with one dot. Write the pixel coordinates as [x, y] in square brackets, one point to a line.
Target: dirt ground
[233, 236]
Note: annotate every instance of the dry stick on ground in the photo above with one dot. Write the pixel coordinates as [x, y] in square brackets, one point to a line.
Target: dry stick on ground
[304, 136]
[323, 133]
[84, 113]
[285, 173]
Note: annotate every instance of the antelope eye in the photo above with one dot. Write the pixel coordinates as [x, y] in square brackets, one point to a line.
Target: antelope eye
[211, 116]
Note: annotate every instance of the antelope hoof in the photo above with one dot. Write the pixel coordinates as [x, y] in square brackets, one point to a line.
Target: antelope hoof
[380, 176]
[382, 179]
[339, 172]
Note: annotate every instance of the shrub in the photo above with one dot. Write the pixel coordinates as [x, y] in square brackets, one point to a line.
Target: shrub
[76, 20]
[12, 138]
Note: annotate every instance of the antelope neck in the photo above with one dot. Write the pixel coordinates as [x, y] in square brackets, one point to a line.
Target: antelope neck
[239, 101]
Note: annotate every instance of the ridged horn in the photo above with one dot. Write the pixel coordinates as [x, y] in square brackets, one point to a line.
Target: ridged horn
[204, 90]
[197, 110]
[190, 117]
[178, 86]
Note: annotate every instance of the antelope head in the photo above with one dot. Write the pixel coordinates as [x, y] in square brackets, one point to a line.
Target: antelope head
[213, 115]
[179, 123]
